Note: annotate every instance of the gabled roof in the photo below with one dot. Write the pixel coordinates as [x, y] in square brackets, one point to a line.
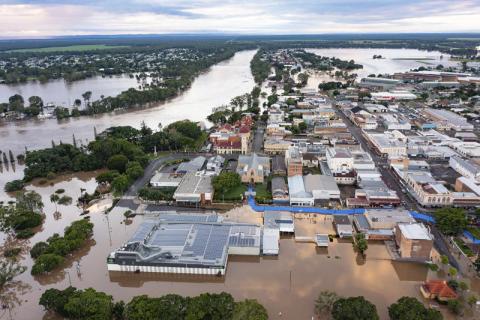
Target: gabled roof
[440, 289]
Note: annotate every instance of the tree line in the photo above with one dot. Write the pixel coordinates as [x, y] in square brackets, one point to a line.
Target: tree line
[74, 303]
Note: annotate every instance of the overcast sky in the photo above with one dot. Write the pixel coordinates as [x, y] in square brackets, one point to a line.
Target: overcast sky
[27, 18]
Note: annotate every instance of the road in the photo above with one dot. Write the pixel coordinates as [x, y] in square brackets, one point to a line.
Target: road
[394, 183]
[127, 200]
[382, 165]
[257, 143]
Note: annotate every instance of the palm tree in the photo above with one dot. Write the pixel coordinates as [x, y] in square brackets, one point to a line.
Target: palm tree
[324, 302]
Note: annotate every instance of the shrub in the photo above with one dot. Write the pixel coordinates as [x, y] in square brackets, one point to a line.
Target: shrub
[14, 185]
[25, 234]
[46, 263]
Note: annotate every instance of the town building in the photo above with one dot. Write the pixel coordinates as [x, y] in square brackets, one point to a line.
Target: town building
[253, 168]
[414, 241]
[322, 187]
[393, 96]
[294, 161]
[195, 188]
[466, 168]
[378, 83]
[339, 160]
[448, 119]
[185, 244]
[279, 190]
[193, 165]
[297, 192]
[386, 144]
[343, 226]
[278, 165]
[165, 180]
[426, 190]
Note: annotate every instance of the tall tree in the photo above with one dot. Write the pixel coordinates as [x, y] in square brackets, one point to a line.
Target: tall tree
[409, 308]
[354, 308]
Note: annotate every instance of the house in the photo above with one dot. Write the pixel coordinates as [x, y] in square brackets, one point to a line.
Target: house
[437, 289]
[195, 188]
[279, 190]
[414, 241]
[253, 168]
[342, 226]
[278, 165]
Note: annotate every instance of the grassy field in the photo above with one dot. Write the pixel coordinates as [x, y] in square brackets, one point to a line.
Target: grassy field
[232, 194]
[83, 47]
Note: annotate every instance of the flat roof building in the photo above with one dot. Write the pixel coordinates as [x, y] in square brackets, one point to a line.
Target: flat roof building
[187, 244]
[194, 188]
[165, 180]
[414, 241]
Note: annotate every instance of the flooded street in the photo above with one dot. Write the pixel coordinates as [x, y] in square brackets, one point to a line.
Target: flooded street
[213, 88]
[286, 285]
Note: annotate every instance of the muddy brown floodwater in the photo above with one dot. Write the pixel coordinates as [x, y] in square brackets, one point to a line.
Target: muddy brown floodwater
[287, 284]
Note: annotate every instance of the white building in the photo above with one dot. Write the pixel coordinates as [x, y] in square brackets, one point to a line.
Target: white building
[298, 195]
[393, 96]
[339, 160]
[427, 190]
[387, 144]
[465, 167]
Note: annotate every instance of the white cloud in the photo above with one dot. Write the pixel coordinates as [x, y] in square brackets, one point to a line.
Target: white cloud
[260, 17]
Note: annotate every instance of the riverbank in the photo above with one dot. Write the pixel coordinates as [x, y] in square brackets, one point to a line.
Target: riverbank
[213, 88]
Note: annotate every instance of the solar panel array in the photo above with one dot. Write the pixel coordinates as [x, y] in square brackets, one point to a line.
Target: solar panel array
[239, 241]
[170, 236]
[248, 230]
[197, 246]
[216, 243]
[188, 218]
[142, 231]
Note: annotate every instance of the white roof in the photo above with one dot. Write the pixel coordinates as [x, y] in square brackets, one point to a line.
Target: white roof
[415, 231]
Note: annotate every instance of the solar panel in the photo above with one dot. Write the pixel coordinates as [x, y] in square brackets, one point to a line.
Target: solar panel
[142, 231]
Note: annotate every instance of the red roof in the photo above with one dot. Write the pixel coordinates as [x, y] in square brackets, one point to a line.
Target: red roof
[440, 289]
[244, 129]
[228, 144]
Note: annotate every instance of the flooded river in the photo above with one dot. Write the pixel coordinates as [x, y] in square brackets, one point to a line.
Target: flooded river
[286, 285]
[62, 93]
[211, 89]
[394, 60]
